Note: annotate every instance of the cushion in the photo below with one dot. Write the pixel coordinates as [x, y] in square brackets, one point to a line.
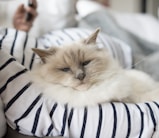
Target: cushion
[29, 113]
[19, 44]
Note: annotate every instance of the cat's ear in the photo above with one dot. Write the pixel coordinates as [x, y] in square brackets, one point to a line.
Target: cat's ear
[44, 53]
[92, 38]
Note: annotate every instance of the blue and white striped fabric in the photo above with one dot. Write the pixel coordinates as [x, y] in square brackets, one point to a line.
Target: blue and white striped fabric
[28, 112]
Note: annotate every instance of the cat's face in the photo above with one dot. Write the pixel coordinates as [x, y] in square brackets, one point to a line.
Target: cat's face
[78, 65]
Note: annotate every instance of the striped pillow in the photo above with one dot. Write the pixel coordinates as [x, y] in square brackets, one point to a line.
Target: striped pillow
[19, 44]
[32, 114]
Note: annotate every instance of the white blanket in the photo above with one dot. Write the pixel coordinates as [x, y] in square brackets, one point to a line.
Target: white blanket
[144, 26]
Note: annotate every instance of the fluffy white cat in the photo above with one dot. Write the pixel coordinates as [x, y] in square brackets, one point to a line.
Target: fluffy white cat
[83, 74]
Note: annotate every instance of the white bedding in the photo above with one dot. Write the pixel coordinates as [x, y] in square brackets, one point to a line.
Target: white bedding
[62, 14]
[145, 26]
[32, 114]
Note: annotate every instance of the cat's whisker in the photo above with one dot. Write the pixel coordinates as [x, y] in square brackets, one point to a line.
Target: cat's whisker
[138, 62]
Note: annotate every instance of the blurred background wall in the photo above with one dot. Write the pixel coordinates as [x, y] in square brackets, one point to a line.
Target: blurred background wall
[125, 5]
[148, 6]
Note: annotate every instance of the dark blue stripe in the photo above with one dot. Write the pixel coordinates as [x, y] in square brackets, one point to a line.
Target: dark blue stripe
[129, 120]
[51, 115]
[1, 41]
[11, 79]
[46, 47]
[156, 104]
[53, 34]
[25, 42]
[84, 123]
[152, 116]
[53, 110]
[27, 111]
[142, 121]
[33, 56]
[115, 121]
[58, 43]
[61, 38]
[70, 117]
[64, 121]
[67, 34]
[7, 63]
[11, 102]
[100, 121]
[13, 45]
[50, 129]
[36, 120]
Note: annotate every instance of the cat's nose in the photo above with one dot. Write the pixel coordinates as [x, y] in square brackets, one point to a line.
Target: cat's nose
[81, 76]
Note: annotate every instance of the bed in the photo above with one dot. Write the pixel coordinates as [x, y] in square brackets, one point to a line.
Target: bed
[30, 114]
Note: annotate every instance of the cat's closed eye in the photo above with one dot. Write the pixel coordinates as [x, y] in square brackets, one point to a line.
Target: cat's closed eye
[65, 69]
[86, 62]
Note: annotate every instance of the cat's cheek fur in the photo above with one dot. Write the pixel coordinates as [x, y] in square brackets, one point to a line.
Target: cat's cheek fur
[44, 72]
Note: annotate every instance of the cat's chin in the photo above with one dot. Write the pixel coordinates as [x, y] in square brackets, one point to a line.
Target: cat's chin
[82, 87]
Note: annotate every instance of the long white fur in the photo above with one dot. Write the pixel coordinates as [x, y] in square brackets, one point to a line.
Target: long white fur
[117, 84]
[123, 85]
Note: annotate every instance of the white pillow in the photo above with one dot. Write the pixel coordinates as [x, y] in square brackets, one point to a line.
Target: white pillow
[24, 42]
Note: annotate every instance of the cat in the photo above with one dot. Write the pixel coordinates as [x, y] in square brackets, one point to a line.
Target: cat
[82, 74]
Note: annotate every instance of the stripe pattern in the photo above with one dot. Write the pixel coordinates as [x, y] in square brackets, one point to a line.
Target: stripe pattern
[24, 106]
[19, 44]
